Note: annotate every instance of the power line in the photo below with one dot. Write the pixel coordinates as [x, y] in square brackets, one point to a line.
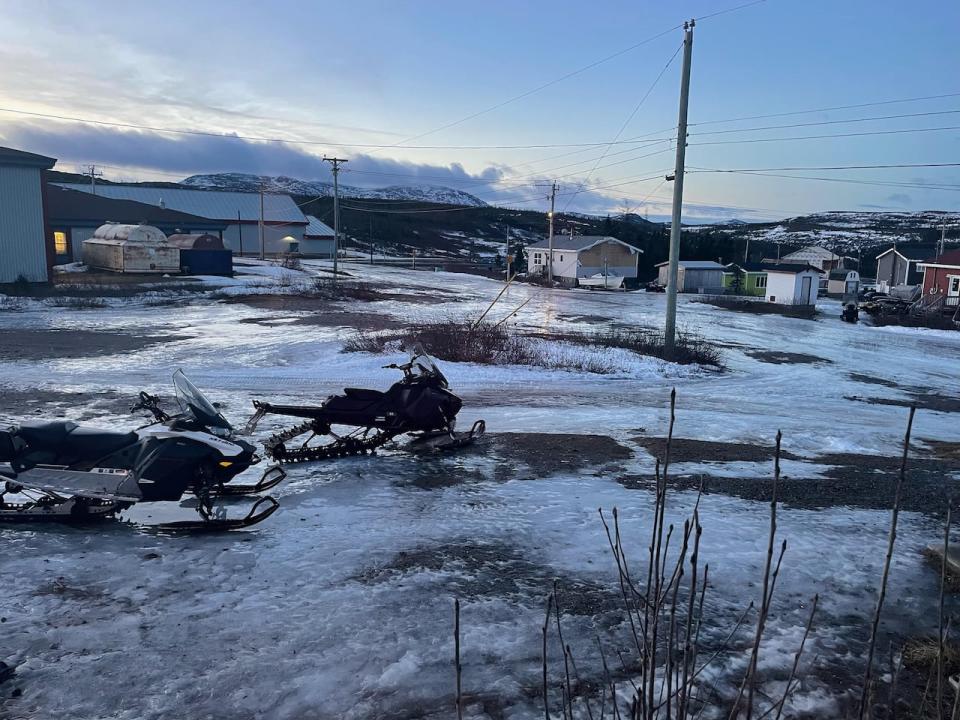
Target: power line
[828, 109]
[827, 122]
[831, 167]
[853, 181]
[629, 118]
[831, 135]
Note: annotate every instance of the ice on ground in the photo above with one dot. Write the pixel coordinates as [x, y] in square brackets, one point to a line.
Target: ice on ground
[341, 605]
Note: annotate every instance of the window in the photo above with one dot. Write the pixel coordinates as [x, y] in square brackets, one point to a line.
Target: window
[761, 282]
[536, 258]
[60, 242]
[954, 285]
[561, 258]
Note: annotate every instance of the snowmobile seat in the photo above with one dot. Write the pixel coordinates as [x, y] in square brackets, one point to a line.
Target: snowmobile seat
[93, 443]
[363, 394]
[45, 435]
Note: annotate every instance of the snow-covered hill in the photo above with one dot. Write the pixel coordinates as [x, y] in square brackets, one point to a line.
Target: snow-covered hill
[316, 188]
[846, 230]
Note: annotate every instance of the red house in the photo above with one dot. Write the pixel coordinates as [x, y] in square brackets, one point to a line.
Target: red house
[941, 276]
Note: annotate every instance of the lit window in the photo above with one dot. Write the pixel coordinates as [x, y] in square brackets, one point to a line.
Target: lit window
[60, 242]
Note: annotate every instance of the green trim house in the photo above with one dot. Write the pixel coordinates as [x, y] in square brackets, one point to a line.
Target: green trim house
[752, 276]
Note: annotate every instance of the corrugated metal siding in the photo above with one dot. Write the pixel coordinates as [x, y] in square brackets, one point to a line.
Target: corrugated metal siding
[211, 204]
[22, 240]
[272, 236]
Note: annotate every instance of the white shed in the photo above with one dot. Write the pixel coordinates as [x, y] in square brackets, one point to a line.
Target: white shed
[843, 283]
[792, 284]
[131, 249]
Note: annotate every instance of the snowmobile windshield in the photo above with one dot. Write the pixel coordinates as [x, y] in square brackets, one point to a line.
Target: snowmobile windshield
[194, 402]
[426, 364]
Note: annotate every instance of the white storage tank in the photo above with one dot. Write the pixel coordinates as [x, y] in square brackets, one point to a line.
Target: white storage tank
[131, 249]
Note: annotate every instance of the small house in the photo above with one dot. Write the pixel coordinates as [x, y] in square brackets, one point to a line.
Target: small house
[941, 277]
[694, 276]
[584, 256]
[843, 283]
[792, 284]
[745, 279]
[898, 266]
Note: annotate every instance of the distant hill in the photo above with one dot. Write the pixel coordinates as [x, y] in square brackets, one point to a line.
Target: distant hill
[315, 188]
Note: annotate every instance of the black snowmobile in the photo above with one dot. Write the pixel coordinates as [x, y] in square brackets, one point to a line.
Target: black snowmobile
[66, 472]
[421, 403]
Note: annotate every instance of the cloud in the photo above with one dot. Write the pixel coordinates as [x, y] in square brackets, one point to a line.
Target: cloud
[130, 153]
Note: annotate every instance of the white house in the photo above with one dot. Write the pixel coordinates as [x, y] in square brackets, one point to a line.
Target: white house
[696, 276]
[841, 283]
[581, 256]
[24, 249]
[283, 221]
[790, 284]
[814, 255]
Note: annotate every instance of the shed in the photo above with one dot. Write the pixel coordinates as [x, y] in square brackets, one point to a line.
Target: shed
[843, 283]
[792, 284]
[203, 254]
[696, 276]
[897, 266]
[746, 278]
[24, 249]
[131, 249]
[941, 279]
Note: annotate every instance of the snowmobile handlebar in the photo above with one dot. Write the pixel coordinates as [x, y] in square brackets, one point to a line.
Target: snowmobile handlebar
[145, 401]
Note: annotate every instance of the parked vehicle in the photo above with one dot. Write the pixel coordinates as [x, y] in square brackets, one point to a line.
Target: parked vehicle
[421, 403]
[69, 473]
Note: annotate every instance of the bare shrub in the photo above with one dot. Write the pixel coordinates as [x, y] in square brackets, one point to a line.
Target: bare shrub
[343, 290]
[758, 306]
[78, 303]
[291, 262]
[689, 347]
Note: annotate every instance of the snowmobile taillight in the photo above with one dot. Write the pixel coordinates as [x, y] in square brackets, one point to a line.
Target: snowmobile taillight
[225, 463]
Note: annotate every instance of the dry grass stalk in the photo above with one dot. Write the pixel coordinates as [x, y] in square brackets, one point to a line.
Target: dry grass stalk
[868, 673]
[456, 652]
[940, 628]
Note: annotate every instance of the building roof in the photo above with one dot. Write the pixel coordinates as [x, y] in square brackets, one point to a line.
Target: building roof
[68, 207]
[840, 274]
[811, 252]
[696, 265]
[211, 204]
[19, 158]
[315, 228]
[763, 267]
[911, 252]
[949, 259]
[578, 243]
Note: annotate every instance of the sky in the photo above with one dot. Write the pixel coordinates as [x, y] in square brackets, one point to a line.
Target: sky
[441, 93]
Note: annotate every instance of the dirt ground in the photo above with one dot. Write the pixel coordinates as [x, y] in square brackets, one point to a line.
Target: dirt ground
[28, 344]
[51, 404]
[334, 318]
[685, 450]
[778, 357]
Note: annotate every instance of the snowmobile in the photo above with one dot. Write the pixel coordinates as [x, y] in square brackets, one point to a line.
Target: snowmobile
[70, 473]
[420, 404]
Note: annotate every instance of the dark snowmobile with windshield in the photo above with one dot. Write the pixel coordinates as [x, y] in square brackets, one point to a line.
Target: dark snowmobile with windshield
[420, 403]
[66, 472]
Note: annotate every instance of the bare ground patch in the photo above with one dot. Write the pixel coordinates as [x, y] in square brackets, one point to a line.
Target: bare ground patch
[922, 399]
[520, 455]
[334, 318]
[871, 380]
[684, 450]
[779, 357]
[56, 403]
[32, 344]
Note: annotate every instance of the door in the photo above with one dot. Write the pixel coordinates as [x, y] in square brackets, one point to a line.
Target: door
[806, 284]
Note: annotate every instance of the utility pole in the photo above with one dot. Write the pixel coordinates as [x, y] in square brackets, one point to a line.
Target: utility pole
[94, 174]
[370, 238]
[553, 199]
[335, 165]
[943, 237]
[670, 326]
[746, 250]
[240, 231]
[506, 255]
[260, 223]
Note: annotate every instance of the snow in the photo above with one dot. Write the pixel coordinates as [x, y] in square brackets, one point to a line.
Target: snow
[315, 613]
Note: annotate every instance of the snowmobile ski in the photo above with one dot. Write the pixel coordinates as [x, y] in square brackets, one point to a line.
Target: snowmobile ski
[214, 523]
[271, 477]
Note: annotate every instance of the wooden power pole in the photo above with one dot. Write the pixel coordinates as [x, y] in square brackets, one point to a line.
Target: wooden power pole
[553, 199]
[335, 166]
[670, 325]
